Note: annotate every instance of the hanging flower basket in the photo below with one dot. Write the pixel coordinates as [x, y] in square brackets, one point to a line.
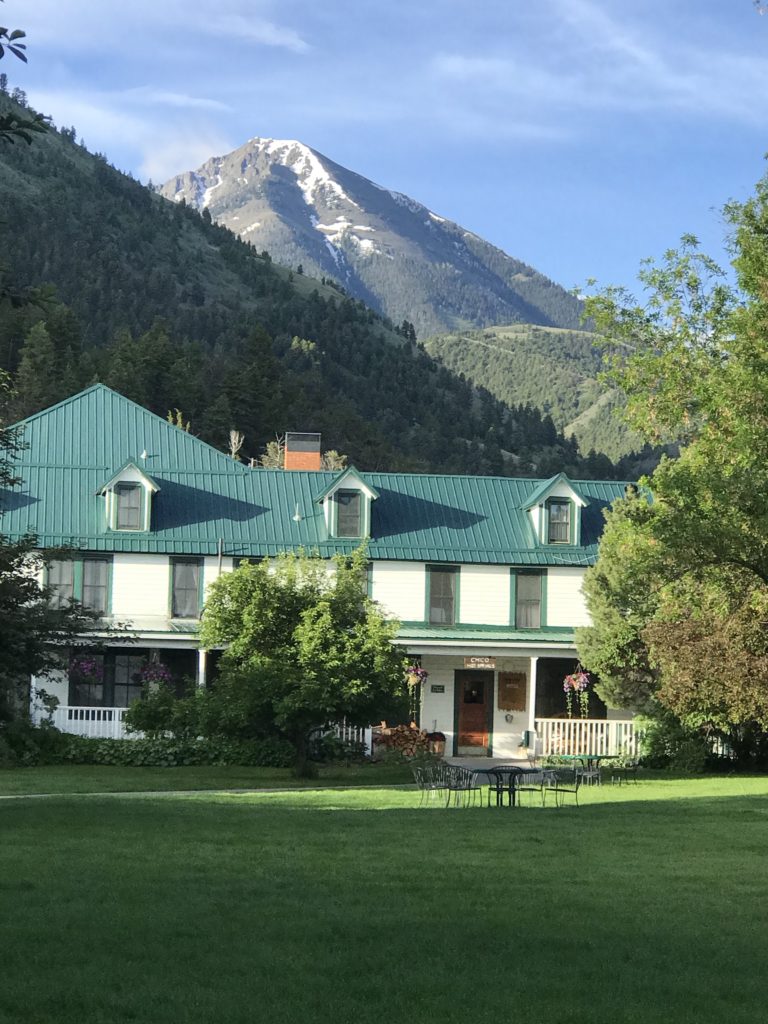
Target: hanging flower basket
[415, 674]
[575, 687]
[154, 673]
[87, 668]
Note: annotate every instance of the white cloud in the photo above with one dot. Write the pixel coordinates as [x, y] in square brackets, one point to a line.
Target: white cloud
[146, 94]
[182, 150]
[259, 30]
[591, 61]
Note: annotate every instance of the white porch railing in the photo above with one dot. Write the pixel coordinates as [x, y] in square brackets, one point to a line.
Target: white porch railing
[99, 723]
[586, 736]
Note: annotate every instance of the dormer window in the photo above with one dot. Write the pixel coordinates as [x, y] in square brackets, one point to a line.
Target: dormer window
[128, 499]
[346, 505]
[555, 509]
[559, 530]
[349, 507]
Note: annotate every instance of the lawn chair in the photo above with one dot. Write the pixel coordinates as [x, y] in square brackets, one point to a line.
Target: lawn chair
[462, 784]
[562, 782]
[621, 773]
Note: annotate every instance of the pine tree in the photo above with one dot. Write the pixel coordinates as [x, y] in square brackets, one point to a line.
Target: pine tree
[36, 386]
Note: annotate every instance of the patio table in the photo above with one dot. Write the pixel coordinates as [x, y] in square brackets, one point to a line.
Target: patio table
[511, 779]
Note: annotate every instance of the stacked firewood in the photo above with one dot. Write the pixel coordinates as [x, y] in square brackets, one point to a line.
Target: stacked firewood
[408, 740]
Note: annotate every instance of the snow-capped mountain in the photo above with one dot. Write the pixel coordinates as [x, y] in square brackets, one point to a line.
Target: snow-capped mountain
[382, 246]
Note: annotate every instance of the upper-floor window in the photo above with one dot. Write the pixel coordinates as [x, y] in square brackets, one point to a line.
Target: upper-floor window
[349, 514]
[442, 594]
[559, 531]
[128, 498]
[528, 599]
[61, 581]
[86, 579]
[186, 587]
[96, 584]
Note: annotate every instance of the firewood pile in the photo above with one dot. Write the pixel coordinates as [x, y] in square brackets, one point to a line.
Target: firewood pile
[408, 740]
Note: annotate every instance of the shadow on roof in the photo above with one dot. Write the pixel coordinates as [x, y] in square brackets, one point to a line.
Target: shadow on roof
[180, 505]
[396, 513]
[593, 520]
[12, 501]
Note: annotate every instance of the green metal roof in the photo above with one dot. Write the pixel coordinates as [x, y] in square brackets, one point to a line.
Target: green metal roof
[205, 497]
[471, 633]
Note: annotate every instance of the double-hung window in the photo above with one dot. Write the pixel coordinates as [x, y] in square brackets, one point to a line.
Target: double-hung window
[61, 581]
[349, 509]
[128, 498]
[186, 592]
[528, 599]
[96, 584]
[559, 531]
[442, 591]
[86, 579]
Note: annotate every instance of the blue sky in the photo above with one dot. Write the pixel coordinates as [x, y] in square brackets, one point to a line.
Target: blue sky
[578, 135]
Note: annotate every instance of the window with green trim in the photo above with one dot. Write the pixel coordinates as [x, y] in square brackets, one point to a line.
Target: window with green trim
[559, 522]
[442, 592]
[86, 579]
[186, 587]
[96, 577]
[528, 599]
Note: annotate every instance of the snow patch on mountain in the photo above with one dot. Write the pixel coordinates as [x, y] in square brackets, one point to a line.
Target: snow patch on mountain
[311, 176]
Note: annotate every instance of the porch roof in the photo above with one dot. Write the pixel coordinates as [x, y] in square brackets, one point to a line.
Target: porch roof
[505, 634]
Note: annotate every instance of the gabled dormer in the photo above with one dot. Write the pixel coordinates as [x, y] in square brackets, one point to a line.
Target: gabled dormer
[347, 505]
[128, 499]
[554, 509]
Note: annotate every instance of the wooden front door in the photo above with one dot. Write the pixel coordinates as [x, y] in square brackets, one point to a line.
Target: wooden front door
[473, 695]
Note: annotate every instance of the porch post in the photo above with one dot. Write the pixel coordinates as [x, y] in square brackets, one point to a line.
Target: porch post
[532, 696]
[201, 668]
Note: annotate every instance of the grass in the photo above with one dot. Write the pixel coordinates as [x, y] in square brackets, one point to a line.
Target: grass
[107, 779]
[643, 905]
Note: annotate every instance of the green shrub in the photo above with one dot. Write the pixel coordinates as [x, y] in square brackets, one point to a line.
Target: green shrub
[159, 712]
[668, 743]
[24, 744]
[167, 752]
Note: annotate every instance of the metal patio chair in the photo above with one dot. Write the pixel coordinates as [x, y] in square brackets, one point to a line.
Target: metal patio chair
[463, 785]
[562, 782]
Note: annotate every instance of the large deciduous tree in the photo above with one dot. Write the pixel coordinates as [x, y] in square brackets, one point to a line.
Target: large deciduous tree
[304, 647]
[33, 633]
[679, 593]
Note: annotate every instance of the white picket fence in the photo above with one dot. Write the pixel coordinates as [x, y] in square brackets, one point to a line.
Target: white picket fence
[354, 734]
[586, 736]
[98, 723]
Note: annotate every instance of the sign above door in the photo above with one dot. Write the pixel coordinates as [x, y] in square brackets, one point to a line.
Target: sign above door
[479, 661]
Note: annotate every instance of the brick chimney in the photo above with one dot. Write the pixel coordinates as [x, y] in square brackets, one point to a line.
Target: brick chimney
[302, 451]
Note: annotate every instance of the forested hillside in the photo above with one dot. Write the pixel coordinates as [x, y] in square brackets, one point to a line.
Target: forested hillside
[177, 313]
[552, 369]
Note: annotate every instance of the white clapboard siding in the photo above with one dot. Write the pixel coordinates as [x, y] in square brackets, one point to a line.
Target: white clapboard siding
[565, 600]
[400, 588]
[484, 594]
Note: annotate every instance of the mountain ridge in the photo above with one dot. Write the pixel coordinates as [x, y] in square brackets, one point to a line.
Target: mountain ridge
[391, 251]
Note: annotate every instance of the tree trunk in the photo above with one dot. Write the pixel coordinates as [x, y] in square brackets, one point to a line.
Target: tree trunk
[303, 768]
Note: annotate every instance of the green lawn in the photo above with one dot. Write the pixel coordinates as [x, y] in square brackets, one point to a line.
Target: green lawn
[645, 904]
[107, 779]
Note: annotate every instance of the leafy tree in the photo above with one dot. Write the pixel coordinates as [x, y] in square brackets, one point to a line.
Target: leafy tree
[693, 363]
[304, 647]
[33, 633]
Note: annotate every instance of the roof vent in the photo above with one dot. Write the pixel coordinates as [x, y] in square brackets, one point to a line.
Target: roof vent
[302, 451]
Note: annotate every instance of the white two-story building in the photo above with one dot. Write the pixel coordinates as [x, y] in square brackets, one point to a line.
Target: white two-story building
[484, 574]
